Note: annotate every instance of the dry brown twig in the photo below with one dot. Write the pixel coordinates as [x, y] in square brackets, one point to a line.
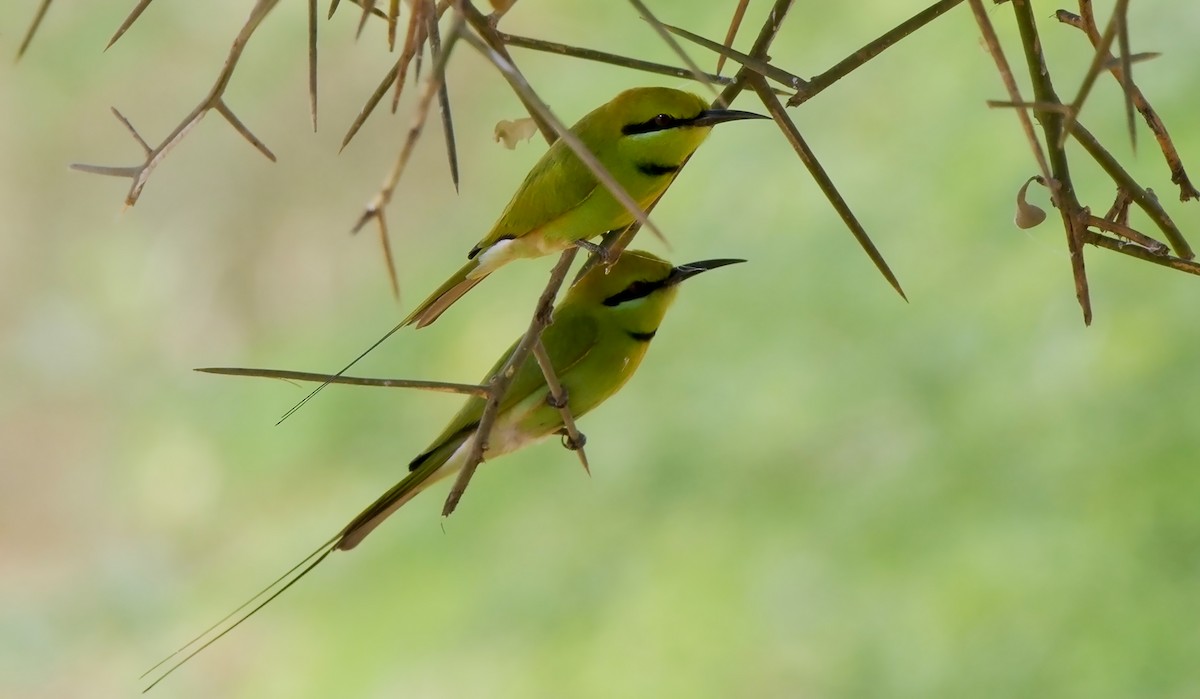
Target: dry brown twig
[613, 240]
[38, 16]
[1086, 23]
[376, 209]
[760, 65]
[1059, 121]
[739, 13]
[498, 385]
[287, 375]
[665, 35]
[1054, 167]
[422, 30]
[525, 42]
[214, 100]
[754, 66]
[756, 62]
[755, 69]
[1098, 60]
[396, 78]
[1141, 196]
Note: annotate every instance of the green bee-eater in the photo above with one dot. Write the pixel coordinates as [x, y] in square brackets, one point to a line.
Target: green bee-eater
[642, 137]
[596, 340]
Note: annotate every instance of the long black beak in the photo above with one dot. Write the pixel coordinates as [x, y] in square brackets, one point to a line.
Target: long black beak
[691, 269]
[710, 117]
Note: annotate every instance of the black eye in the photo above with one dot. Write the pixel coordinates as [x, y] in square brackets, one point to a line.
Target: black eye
[656, 123]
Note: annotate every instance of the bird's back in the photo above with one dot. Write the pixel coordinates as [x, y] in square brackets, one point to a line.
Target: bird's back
[562, 192]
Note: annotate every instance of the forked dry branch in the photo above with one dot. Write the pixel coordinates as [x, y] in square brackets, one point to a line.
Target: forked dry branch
[757, 73]
[1061, 120]
[1086, 22]
[214, 100]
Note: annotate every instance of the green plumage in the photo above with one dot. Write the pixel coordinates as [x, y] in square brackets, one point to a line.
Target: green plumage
[561, 201]
[595, 349]
[596, 341]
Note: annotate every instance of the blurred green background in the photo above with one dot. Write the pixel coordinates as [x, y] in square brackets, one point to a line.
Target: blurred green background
[811, 489]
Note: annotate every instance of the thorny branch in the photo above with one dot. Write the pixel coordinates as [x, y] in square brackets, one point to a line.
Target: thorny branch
[286, 375]
[755, 67]
[1059, 120]
[661, 29]
[541, 316]
[615, 242]
[1130, 188]
[872, 49]
[499, 384]
[537, 106]
[776, 110]
[759, 68]
[1094, 69]
[754, 63]
[38, 16]
[734, 25]
[1057, 173]
[558, 399]
[397, 75]
[214, 100]
[1068, 203]
[1093, 238]
[376, 209]
[129, 20]
[1086, 23]
[525, 42]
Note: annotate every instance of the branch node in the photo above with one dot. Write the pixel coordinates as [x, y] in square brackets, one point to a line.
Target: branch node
[572, 443]
[558, 402]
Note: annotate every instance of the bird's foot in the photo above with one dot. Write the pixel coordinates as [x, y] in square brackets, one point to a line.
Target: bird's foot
[544, 314]
[604, 254]
[560, 402]
[573, 444]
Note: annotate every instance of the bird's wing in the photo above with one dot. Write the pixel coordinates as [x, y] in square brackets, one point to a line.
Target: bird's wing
[568, 340]
[556, 185]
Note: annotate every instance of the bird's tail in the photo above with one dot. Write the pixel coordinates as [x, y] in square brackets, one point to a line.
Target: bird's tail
[430, 468]
[450, 291]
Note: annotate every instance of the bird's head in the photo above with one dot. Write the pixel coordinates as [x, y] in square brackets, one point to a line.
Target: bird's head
[637, 289]
[661, 127]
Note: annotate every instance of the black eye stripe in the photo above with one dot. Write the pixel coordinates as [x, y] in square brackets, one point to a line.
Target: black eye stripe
[659, 122]
[656, 169]
[636, 290]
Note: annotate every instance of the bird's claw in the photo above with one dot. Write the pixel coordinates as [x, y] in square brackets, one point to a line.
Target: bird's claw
[603, 254]
[571, 443]
[589, 246]
[558, 402]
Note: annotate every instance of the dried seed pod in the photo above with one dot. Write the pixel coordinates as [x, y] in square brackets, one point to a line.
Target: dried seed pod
[1028, 215]
[510, 133]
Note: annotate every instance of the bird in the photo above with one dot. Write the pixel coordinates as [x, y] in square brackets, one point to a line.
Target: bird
[643, 137]
[596, 339]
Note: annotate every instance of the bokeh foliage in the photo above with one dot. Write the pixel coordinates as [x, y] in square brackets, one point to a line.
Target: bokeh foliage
[811, 489]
